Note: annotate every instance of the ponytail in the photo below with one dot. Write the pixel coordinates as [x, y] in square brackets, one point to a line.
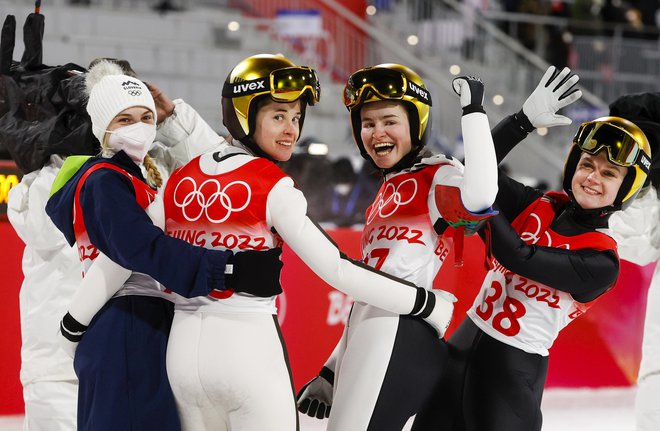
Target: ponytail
[153, 175]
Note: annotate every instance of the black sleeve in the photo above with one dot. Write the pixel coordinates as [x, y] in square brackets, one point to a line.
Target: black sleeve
[510, 132]
[586, 273]
[513, 197]
[122, 230]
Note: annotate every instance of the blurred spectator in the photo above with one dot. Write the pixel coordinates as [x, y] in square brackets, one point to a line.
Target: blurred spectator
[509, 6]
[588, 15]
[336, 193]
[313, 176]
[345, 193]
[558, 44]
[368, 183]
[166, 6]
[527, 32]
[471, 48]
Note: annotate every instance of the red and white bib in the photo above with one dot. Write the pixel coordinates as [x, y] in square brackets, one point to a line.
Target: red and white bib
[398, 237]
[225, 211]
[87, 252]
[519, 311]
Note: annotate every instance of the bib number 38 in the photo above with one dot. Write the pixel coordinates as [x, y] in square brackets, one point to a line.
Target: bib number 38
[506, 320]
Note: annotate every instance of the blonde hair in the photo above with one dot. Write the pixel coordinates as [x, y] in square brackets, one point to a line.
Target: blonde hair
[153, 174]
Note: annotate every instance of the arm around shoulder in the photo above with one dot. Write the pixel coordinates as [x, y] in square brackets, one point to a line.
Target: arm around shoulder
[187, 134]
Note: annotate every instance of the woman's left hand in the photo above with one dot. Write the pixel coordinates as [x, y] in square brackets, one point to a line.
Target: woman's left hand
[164, 105]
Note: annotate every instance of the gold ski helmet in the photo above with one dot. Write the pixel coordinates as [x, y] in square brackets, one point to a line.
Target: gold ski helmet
[260, 76]
[625, 145]
[394, 82]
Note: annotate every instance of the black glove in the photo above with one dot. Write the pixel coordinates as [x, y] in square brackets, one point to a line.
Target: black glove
[255, 272]
[315, 398]
[471, 91]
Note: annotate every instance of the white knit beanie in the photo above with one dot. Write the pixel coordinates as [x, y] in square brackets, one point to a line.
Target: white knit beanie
[110, 92]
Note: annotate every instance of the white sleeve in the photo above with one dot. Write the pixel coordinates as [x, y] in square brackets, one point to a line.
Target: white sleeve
[479, 183]
[449, 175]
[26, 212]
[187, 134]
[637, 229]
[287, 207]
[102, 280]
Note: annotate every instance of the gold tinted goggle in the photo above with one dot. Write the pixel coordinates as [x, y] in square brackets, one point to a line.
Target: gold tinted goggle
[622, 148]
[285, 85]
[384, 83]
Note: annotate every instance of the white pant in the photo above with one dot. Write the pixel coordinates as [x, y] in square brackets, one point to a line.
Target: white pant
[361, 369]
[50, 406]
[647, 403]
[230, 372]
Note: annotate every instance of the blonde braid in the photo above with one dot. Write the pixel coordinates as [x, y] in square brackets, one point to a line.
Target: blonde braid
[153, 175]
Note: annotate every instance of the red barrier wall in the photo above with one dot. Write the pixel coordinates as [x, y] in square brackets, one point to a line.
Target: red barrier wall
[11, 253]
[601, 348]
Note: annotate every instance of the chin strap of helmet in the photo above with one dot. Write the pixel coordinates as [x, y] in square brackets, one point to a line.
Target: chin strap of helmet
[249, 143]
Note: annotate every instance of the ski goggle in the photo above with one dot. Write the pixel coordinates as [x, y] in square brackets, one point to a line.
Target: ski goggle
[285, 85]
[384, 83]
[622, 148]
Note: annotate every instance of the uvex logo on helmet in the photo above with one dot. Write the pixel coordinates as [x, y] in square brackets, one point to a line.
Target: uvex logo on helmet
[133, 88]
[249, 87]
[645, 161]
[418, 90]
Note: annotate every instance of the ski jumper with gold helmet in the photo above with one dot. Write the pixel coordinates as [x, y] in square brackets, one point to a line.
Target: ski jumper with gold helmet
[550, 260]
[238, 198]
[386, 366]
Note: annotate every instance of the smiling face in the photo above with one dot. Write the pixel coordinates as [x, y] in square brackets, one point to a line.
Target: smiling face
[130, 116]
[277, 128]
[596, 181]
[385, 132]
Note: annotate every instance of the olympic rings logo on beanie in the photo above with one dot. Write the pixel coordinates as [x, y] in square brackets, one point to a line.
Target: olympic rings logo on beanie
[132, 87]
[111, 92]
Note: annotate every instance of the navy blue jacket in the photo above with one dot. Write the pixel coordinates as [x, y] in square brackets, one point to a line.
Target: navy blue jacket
[122, 230]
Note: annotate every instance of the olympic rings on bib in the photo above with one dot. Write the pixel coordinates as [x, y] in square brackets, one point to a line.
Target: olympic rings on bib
[217, 205]
[390, 199]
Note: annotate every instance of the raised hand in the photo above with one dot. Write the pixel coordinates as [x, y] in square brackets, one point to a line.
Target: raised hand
[164, 105]
[554, 91]
[471, 92]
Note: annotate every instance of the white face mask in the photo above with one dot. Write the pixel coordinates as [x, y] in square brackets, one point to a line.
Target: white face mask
[135, 140]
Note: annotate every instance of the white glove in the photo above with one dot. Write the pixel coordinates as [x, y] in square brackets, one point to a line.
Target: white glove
[471, 92]
[554, 91]
[70, 333]
[100, 283]
[315, 398]
[69, 347]
[440, 317]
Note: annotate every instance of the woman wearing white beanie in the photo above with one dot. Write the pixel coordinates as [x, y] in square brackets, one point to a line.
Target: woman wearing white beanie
[120, 362]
